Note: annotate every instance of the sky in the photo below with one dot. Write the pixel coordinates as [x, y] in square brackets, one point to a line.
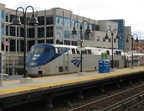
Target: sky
[129, 10]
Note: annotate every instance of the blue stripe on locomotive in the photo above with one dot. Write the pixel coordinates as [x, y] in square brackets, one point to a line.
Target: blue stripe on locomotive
[43, 57]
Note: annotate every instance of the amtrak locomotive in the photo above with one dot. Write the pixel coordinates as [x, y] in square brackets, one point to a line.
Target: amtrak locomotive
[48, 59]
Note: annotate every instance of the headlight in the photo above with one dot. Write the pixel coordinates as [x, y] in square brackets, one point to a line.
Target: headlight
[33, 63]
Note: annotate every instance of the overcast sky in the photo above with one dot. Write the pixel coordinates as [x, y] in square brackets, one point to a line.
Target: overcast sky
[129, 10]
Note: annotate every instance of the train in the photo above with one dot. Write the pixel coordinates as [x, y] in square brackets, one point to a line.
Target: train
[53, 59]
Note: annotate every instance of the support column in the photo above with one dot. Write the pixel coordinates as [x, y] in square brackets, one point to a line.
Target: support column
[140, 80]
[118, 84]
[1, 107]
[130, 82]
[102, 88]
[80, 94]
[48, 103]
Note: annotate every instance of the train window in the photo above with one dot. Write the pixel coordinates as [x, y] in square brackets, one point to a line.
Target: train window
[34, 50]
[31, 50]
[73, 51]
[59, 50]
[117, 53]
[108, 52]
[44, 50]
[89, 52]
[78, 52]
[84, 52]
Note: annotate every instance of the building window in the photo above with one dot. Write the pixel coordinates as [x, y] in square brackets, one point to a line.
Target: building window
[59, 41]
[21, 45]
[77, 25]
[2, 15]
[17, 31]
[41, 32]
[114, 40]
[98, 38]
[59, 20]
[104, 39]
[50, 41]
[49, 32]
[30, 44]
[109, 39]
[66, 33]
[12, 45]
[66, 42]
[109, 26]
[7, 17]
[86, 36]
[2, 29]
[41, 20]
[31, 33]
[11, 17]
[2, 45]
[40, 41]
[59, 32]
[21, 32]
[12, 31]
[22, 19]
[7, 30]
[66, 21]
[95, 27]
[74, 43]
[49, 20]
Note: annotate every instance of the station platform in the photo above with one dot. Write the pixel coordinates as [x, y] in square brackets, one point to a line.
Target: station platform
[14, 87]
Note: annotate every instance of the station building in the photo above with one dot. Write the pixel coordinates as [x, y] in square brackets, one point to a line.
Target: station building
[55, 27]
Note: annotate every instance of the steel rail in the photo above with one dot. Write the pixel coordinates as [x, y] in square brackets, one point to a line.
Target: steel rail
[97, 102]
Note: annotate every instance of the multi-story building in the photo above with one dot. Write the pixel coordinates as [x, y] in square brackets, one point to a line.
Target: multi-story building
[128, 45]
[138, 46]
[55, 26]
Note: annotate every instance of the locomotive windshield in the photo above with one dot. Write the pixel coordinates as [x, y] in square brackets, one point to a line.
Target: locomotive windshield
[39, 50]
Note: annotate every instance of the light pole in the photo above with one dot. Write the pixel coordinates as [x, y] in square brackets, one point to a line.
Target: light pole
[81, 36]
[17, 21]
[127, 40]
[117, 37]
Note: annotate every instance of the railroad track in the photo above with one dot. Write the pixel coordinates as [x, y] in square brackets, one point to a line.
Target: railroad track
[123, 101]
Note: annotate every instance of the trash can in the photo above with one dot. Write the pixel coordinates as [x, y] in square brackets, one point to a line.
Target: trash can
[104, 66]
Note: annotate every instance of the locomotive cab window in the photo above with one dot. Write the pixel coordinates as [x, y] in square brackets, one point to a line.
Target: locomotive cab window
[35, 50]
[44, 50]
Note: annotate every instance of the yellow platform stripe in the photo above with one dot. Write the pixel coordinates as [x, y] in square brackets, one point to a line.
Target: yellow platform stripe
[63, 82]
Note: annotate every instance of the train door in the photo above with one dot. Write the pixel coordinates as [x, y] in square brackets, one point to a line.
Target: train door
[66, 62]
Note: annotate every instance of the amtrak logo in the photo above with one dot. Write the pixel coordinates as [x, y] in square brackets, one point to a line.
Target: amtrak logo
[76, 61]
[35, 56]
